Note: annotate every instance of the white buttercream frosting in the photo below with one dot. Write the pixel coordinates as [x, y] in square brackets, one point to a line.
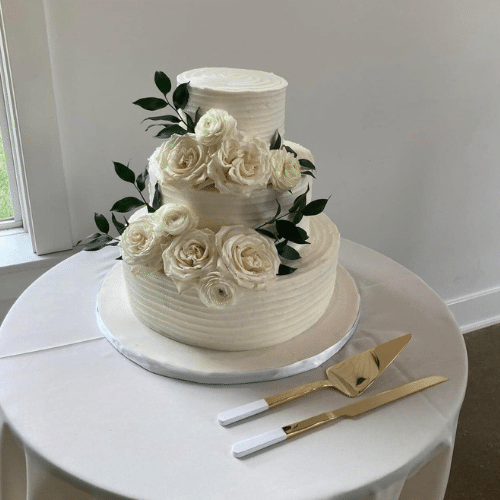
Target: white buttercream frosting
[225, 209]
[289, 306]
[256, 99]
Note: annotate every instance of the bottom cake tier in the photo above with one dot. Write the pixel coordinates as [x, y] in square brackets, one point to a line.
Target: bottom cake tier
[290, 305]
[163, 356]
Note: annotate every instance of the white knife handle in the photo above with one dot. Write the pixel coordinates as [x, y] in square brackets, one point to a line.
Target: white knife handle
[256, 443]
[245, 411]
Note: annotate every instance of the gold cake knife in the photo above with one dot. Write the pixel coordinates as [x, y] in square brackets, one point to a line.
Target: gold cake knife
[256, 443]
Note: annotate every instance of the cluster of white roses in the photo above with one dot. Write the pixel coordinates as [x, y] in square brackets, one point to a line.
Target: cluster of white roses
[217, 154]
[217, 264]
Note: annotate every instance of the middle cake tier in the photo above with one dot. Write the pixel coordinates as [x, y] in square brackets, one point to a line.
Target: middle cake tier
[224, 209]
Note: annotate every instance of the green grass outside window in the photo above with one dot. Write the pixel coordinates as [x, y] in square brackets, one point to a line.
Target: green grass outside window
[5, 200]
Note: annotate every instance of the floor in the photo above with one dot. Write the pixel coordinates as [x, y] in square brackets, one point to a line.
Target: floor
[475, 469]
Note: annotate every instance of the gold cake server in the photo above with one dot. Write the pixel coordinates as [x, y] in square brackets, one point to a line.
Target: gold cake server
[350, 377]
[256, 443]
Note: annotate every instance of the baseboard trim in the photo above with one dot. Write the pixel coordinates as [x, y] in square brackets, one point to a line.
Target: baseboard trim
[477, 311]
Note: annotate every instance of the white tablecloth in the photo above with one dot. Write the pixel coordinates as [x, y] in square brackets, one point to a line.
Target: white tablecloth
[80, 421]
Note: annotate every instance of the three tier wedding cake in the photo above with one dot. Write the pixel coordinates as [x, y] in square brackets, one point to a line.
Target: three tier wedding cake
[231, 253]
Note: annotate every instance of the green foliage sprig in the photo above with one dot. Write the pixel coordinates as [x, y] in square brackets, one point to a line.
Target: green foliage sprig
[102, 239]
[180, 98]
[285, 226]
[286, 230]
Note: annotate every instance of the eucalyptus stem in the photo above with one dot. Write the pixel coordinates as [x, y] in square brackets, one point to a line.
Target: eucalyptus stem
[143, 199]
[178, 114]
[277, 218]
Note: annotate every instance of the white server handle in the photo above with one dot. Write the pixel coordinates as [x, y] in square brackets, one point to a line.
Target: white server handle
[245, 411]
[256, 443]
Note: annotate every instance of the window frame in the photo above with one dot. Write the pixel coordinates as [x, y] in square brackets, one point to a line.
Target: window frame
[16, 221]
[31, 116]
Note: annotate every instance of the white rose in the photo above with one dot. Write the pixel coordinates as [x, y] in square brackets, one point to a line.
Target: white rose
[214, 126]
[217, 290]
[174, 219]
[182, 160]
[250, 257]
[141, 245]
[240, 166]
[189, 256]
[285, 170]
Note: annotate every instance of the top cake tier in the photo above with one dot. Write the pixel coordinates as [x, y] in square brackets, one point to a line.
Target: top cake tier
[256, 99]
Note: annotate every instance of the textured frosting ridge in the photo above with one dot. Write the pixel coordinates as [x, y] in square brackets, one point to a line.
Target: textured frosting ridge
[215, 209]
[256, 99]
[289, 306]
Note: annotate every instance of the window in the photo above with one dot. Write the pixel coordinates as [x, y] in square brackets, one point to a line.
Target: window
[30, 125]
[10, 208]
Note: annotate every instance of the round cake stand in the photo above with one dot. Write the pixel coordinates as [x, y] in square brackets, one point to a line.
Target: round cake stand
[170, 358]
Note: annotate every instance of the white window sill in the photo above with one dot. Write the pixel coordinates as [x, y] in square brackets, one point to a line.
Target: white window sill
[16, 253]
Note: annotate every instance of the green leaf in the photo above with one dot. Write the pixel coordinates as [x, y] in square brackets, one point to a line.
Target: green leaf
[276, 141]
[127, 204]
[156, 198]
[181, 96]
[281, 245]
[170, 130]
[155, 125]
[267, 233]
[197, 116]
[167, 118]
[119, 226]
[98, 243]
[141, 180]
[307, 164]
[288, 253]
[315, 207]
[282, 270]
[290, 150]
[308, 172]
[119, 258]
[101, 222]
[303, 235]
[90, 237]
[151, 103]
[124, 173]
[290, 231]
[299, 202]
[297, 217]
[163, 82]
[190, 123]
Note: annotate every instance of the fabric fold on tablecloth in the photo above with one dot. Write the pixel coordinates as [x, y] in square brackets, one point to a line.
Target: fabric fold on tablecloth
[76, 342]
[75, 282]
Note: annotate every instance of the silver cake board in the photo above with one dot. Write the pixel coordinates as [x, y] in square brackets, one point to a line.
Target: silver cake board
[163, 356]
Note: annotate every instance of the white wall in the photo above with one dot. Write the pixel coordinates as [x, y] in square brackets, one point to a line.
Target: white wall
[398, 100]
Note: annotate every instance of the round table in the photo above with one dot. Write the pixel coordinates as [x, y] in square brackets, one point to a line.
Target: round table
[80, 421]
